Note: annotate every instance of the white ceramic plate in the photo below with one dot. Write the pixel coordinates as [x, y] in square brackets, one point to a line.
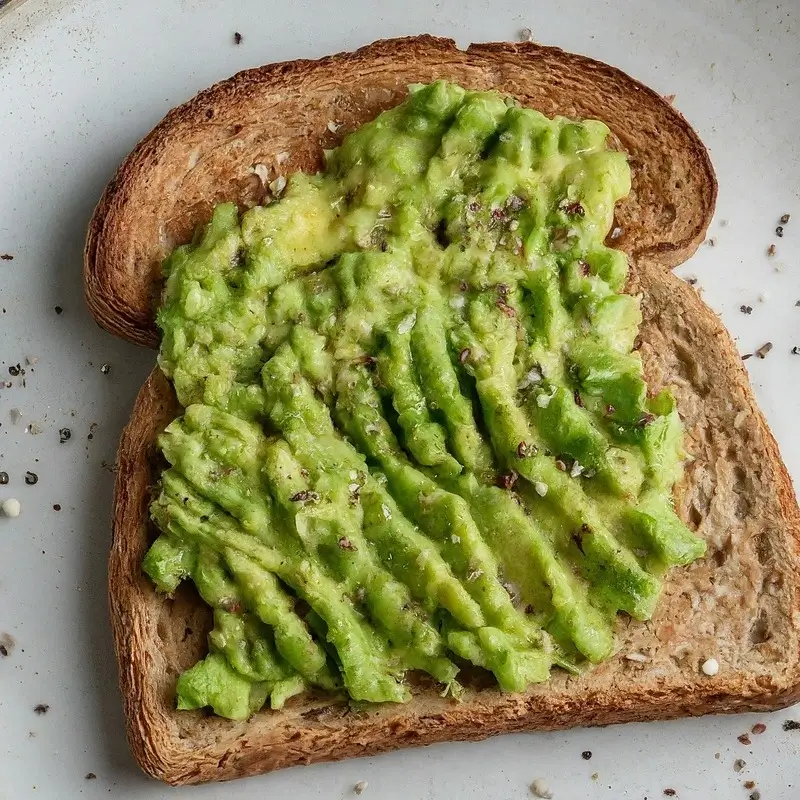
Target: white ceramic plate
[80, 82]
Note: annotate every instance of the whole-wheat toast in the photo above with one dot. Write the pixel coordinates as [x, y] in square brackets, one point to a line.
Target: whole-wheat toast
[738, 605]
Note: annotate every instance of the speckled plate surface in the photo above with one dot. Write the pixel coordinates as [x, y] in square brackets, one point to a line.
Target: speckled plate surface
[80, 82]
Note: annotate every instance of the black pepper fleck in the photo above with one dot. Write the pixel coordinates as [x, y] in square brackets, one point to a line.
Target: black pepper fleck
[56, 507]
[105, 369]
[237, 37]
[791, 725]
[64, 435]
[746, 309]
[7, 257]
[306, 495]
[6, 644]
[779, 231]
[31, 478]
[764, 349]
[366, 361]
[3, 478]
[574, 209]
[508, 310]
[90, 776]
[586, 755]
[670, 792]
[58, 309]
[231, 605]
[41, 708]
[795, 351]
[507, 479]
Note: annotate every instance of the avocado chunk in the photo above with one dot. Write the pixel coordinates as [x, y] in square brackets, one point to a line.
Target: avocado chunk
[213, 682]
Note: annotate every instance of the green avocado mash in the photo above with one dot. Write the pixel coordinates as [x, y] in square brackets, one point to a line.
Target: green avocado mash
[416, 432]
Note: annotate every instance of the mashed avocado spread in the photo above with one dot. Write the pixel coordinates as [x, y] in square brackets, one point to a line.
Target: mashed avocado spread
[416, 432]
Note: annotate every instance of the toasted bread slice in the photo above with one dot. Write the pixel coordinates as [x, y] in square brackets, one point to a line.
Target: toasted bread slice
[740, 605]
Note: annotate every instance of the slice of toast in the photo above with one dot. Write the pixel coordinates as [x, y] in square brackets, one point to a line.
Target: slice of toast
[740, 605]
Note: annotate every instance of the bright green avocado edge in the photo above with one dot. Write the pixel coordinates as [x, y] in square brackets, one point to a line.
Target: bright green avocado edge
[416, 433]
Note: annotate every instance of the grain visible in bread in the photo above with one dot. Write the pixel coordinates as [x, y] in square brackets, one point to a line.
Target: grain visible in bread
[739, 605]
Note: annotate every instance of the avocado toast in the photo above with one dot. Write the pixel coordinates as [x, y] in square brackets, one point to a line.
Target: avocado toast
[709, 609]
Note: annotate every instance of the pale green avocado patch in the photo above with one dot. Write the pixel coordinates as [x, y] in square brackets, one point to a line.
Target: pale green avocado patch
[416, 433]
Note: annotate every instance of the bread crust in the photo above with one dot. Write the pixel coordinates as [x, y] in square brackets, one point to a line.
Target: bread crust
[741, 604]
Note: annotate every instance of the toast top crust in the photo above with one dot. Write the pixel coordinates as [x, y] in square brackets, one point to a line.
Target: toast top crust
[204, 151]
[740, 605]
